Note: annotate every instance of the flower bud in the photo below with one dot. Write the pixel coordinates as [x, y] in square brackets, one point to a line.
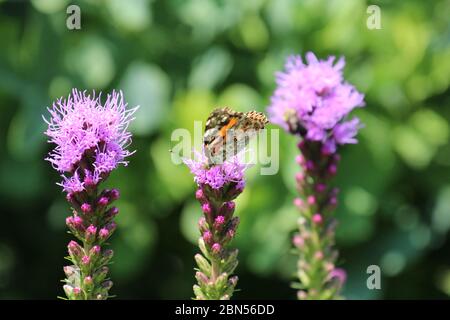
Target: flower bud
[107, 256]
[203, 264]
[202, 279]
[199, 195]
[114, 194]
[219, 222]
[101, 274]
[68, 289]
[88, 281]
[234, 222]
[103, 234]
[221, 280]
[231, 229]
[301, 145]
[70, 197]
[320, 187]
[108, 230]
[333, 201]
[75, 250]
[111, 213]
[103, 201]
[202, 225]
[332, 169]
[76, 290]
[317, 218]
[70, 222]
[300, 160]
[311, 200]
[207, 236]
[216, 247]
[206, 208]
[90, 233]
[86, 260]
[78, 223]
[227, 209]
[111, 226]
[230, 234]
[86, 208]
[339, 275]
[298, 241]
[298, 203]
[230, 205]
[94, 253]
[318, 255]
[302, 295]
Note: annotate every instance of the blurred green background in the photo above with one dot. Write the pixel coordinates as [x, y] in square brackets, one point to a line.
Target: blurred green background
[178, 59]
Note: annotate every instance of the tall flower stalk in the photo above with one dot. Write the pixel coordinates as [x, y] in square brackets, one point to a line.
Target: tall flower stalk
[218, 186]
[312, 101]
[91, 140]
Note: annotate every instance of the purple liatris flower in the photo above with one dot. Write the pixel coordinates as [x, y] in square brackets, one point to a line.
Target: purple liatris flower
[91, 138]
[313, 101]
[218, 185]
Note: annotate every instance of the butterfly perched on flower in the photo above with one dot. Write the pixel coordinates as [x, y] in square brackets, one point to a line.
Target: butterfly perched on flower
[227, 132]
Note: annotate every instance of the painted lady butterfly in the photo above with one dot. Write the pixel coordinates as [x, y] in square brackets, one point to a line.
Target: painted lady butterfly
[227, 132]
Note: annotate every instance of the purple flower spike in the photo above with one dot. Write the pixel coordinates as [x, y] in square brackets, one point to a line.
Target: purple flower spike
[313, 101]
[81, 124]
[218, 185]
[91, 139]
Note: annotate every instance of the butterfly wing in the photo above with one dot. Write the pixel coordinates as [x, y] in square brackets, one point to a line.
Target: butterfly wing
[249, 126]
[216, 128]
[217, 120]
[227, 132]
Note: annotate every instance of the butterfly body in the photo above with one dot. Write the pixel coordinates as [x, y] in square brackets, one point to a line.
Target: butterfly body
[227, 132]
